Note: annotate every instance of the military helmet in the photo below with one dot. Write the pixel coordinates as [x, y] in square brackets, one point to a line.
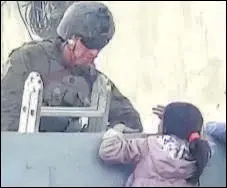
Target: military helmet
[92, 21]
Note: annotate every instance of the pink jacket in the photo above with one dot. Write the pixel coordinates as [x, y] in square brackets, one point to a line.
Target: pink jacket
[154, 166]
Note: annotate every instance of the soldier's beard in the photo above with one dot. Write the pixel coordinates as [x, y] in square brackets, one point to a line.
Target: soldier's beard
[82, 61]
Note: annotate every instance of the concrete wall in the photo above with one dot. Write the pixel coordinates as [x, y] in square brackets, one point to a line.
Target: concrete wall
[171, 51]
[162, 51]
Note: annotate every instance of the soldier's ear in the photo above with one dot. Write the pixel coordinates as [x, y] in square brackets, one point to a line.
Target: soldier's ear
[72, 42]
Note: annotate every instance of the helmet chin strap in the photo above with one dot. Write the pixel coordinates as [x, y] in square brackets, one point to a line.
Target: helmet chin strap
[70, 51]
[67, 51]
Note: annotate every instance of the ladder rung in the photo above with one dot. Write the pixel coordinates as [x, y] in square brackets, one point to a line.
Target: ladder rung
[71, 111]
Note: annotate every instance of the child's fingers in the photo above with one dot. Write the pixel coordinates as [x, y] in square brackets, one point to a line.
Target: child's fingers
[160, 115]
[159, 110]
[161, 107]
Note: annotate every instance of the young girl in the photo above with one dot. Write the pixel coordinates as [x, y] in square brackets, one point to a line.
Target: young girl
[175, 158]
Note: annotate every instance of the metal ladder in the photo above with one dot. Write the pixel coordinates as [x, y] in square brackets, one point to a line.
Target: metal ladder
[94, 118]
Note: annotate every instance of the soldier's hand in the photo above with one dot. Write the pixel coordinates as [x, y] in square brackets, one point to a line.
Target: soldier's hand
[124, 129]
[159, 111]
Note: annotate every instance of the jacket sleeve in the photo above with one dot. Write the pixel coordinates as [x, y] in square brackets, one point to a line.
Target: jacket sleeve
[122, 111]
[116, 148]
[12, 86]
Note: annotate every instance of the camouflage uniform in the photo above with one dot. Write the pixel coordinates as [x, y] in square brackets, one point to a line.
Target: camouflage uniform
[45, 58]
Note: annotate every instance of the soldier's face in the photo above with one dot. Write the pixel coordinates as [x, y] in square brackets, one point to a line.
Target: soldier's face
[82, 55]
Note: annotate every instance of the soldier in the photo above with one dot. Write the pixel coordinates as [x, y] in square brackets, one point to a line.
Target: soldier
[85, 29]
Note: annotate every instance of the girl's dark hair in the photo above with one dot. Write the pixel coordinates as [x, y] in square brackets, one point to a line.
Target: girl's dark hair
[182, 119]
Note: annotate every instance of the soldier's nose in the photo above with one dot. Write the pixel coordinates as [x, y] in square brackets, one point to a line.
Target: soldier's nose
[94, 52]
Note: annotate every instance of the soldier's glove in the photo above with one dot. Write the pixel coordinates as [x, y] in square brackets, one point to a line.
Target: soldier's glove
[124, 129]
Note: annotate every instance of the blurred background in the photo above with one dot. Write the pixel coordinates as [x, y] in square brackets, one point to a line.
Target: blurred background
[161, 51]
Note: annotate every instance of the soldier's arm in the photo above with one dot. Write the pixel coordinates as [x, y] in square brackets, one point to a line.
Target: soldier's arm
[122, 111]
[12, 89]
